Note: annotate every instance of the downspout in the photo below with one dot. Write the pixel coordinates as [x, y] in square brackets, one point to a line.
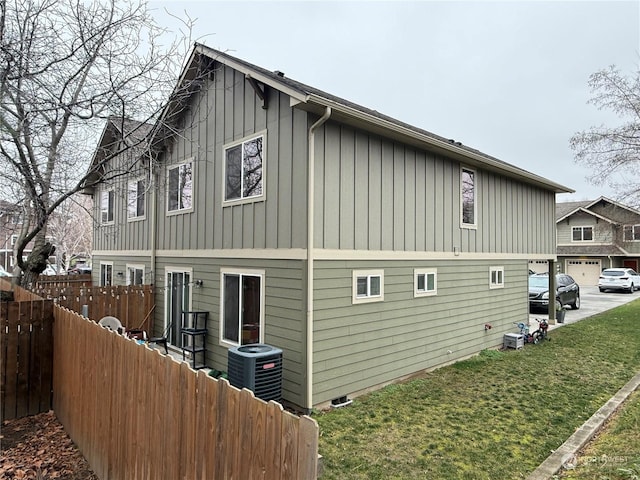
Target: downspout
[310, 220]
[153, 225]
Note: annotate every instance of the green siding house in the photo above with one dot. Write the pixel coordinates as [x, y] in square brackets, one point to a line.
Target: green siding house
[365, 248]
[594, 235]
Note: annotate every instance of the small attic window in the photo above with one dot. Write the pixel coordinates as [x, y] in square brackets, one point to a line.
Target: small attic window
[279, 73]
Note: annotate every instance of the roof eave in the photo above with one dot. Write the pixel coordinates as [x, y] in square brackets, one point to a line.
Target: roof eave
[613, 202]
[382, 126]
[588, 212]
[345, 113]
[221, 57]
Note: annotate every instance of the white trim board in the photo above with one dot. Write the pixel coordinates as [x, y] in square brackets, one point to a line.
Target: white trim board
[322, 254]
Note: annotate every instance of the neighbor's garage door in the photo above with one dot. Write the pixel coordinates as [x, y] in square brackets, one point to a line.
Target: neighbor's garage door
[584, 272]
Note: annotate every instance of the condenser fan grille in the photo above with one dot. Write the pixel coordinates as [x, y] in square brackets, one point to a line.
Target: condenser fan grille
[258, 368]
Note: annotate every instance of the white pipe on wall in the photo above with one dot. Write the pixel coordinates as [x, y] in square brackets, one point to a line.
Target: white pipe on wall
[310, 219]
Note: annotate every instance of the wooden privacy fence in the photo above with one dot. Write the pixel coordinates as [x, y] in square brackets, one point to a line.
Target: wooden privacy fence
[132, 305]
[26, 355]
[63, 280]
[137, 414]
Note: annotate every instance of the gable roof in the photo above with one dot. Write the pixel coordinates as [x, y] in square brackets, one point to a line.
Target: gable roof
[614, 203]
[587, 212]
[116, 130]
[567, 209]
[316, 101]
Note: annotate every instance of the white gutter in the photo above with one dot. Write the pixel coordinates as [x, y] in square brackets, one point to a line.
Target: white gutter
[310, 220]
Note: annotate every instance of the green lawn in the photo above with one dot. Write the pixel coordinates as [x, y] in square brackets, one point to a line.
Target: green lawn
[495, 416]
[615, 452]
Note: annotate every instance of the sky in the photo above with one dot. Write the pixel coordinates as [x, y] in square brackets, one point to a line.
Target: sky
[509, 78]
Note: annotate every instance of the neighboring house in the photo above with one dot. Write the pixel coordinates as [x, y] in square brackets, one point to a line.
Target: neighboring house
[11, 221]
[596, 234]
[365, 248]
[10, 225]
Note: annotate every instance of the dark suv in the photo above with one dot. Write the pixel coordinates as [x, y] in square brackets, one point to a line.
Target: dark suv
[567, 291]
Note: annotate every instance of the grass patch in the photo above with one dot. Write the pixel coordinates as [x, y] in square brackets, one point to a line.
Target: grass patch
[496, 415]
[615, 452]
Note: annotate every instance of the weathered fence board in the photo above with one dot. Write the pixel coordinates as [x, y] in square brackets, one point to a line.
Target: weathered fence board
[52, 281]
[137, 414]
[26, 350]
[132, 305]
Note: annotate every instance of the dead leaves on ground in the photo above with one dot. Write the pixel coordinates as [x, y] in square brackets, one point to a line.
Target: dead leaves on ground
[38, 448]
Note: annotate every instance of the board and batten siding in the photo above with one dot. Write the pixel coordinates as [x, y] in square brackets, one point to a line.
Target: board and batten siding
[360, 346]
[224, 111]
[284, 310]
[123, 233]
[375, 194]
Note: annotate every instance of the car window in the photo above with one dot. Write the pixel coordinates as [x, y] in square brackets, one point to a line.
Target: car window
[632, 272]
[539, 282]
[613, 273]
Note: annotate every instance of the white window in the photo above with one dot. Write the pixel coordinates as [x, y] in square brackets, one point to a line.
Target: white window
[425, 282]
[180, 188]
[243, 169]
[468, 197]
[106, 273]
[631, 233]
[582, 234]
[135, 274]
[135, 199]
[107, 206]
[368, 286]
[14, 240]
[496, 277]
[242, 306]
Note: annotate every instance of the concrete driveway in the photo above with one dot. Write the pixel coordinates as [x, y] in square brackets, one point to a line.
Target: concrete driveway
[591, 303]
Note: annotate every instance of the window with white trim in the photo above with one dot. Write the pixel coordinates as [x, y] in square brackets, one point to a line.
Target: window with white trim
[135, 274]
[425, 282]
[582, 234]
[496, 277]
[468, 197]
[180, 187]
[368, 286]
[135, 199]
[14, 240]
[243, 169]
[107, 198]
[242, 306]
[631, 233]
[106, 273]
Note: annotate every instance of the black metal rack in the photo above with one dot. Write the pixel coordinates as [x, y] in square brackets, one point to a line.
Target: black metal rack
[194, 337]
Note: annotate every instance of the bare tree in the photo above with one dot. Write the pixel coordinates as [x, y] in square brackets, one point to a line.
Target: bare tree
[66, 66]
[71, 226]
[613, 152]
